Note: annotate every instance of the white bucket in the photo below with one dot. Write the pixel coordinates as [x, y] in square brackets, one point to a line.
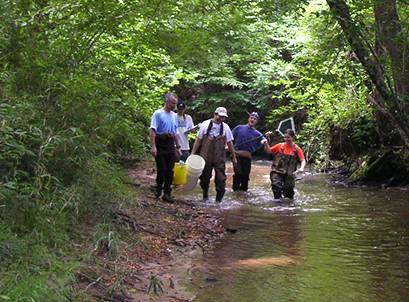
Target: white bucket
[194, 168]
[191, 182]
[195, 164]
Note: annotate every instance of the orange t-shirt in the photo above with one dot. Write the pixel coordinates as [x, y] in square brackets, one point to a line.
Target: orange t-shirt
[288, 150]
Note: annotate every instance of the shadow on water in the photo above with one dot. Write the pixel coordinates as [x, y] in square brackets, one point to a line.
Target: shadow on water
[332, 243]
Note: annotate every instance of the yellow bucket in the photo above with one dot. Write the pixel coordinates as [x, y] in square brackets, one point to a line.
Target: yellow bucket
[179, 174]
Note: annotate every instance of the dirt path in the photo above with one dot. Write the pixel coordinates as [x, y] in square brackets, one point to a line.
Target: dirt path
[153, 255]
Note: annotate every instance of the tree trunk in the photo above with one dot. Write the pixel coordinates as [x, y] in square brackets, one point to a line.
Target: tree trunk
[373, 68]
[390, 35]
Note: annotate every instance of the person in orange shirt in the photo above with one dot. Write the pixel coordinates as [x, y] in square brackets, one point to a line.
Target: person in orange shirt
[286, 157]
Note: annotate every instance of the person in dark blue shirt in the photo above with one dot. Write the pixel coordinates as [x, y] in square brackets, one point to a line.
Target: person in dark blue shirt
[247, 139]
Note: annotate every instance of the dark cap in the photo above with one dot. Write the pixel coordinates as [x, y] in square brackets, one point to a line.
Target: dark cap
[181, 105]
[255, 114]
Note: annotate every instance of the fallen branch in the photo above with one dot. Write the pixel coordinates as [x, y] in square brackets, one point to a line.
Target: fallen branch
[92, 281]
[136, 226]
[115, 296]
[179, 299]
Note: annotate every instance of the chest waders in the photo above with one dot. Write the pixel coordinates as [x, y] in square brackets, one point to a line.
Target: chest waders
[213, 151]
[165, 160]
[241, 174]
[282, 173]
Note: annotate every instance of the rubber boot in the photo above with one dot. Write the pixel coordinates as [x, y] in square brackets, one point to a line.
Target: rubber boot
[205, 195]
[277, 194]
[219, 196]
[158, 193]
[168, 198]
[289, 193]
[236, 183]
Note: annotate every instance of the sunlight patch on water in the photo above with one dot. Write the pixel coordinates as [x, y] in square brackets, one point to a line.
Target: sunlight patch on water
[281, 209]
[313, 210]
[267, 261]
[229, 204]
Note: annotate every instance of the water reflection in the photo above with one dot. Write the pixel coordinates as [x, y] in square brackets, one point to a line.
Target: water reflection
[331, 244]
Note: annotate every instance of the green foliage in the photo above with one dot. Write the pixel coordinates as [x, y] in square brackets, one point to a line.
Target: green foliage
[360, 170]
[30, 272]
[324, 84]
[107, 242]
[155, 285]
[294, 64]
[79, 81]
[235, 100]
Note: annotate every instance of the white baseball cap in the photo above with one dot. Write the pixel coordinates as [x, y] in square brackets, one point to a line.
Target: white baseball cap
[221, 111]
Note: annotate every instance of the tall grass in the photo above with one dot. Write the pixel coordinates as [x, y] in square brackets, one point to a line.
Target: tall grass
[78, 82]
[51, 181]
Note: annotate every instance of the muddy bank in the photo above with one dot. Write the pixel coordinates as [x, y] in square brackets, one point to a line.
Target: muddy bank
[147, 255]
[386, 167]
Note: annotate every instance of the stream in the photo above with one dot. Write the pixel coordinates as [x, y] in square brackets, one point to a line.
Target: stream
[332, 243]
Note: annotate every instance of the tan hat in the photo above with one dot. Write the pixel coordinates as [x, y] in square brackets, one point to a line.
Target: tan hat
[221, 111]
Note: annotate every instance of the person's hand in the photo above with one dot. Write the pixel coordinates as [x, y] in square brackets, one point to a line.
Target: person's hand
[178, 152]
[268, 134]
[154, 152]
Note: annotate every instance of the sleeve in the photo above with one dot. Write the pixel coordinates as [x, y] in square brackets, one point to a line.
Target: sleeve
[175, 124]
[300, 153]
[228, 133]
[262, 139]
[154, 121]
[202, 130]
[189, 122]
[275, 149]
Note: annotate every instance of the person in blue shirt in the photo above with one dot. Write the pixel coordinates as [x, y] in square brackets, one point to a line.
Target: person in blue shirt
[247, 139]
[165, 145]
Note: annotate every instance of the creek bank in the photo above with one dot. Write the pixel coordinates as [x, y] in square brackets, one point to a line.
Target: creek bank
[148, 254]
[386, 167]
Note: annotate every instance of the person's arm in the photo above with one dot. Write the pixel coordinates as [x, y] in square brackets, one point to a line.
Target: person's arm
[175, 134]
[232, 152]
[196, 145]
[177, 144]
[263, 143]
[152, 135]
[303, 162]
[302, 166]
[229, 141]
[268, 135]
[199, 138]
[267, 147]
[234, 132]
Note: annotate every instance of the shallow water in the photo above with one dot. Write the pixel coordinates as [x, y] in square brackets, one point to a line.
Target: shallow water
[332, 243]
